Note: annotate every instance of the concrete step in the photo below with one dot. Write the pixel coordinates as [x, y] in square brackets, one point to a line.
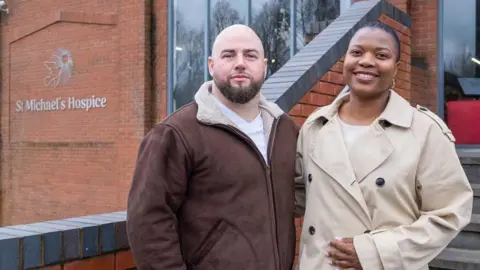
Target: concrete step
[473, 173]
[457, 259]
[469, 238]
[471, 164]
[476, 198]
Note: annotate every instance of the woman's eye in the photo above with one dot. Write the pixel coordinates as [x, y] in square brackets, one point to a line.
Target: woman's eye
[382, 56]
[355, 53]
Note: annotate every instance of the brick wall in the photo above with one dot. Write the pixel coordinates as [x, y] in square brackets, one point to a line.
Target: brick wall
[159, 103]
[65, 163]
[424, 45]
[122, 260]
[420, 87]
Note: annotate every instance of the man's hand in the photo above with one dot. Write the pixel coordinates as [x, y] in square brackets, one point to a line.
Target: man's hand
[343, 254]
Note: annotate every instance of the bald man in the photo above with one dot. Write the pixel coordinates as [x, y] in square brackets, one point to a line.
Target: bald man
[213, 186]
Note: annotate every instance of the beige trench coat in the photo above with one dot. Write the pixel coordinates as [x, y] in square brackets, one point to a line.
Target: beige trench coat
[401, 192]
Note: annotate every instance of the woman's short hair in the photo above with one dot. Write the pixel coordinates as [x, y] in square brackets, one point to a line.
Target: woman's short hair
[387, 29]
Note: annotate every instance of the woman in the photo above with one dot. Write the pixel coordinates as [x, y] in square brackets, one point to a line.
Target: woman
[380, 183]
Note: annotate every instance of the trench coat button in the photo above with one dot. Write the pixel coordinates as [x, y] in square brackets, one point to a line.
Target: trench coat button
[367, 231]
[380, 182]
[311, 230]
[309, 177]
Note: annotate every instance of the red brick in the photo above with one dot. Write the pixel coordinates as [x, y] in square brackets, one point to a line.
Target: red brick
[405, 67]
[406, 49]
[324, 87]
[402, 75]
[402, 84]
[405, 58]
[124, 260]
[96, 263]
[296, 110]
[320, 99]
[308, 109]
[395, 25]
[305, 99]
[334, 77]
[338, 67]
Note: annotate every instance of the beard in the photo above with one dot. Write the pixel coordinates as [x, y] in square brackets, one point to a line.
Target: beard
[238, 94]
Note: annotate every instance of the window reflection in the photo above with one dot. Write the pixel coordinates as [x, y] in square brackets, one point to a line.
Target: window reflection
[271, 22]
[188, 50]
[225, 13]
[312, 17]
[461, 57]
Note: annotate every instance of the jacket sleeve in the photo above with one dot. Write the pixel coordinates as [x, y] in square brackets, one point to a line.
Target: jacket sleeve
[300, 191]
[445, 206]
[157, 191]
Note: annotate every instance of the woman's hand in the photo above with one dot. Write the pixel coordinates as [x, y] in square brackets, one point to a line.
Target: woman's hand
[343, 254]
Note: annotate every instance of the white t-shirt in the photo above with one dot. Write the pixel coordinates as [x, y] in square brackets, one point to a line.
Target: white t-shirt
[351, 132]
[253, 129]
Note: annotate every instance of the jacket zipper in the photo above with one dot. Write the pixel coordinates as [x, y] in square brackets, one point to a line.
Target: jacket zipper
[268, 168]
[269, 174]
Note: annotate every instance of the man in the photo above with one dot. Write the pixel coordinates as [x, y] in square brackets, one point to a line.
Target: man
[214, 182]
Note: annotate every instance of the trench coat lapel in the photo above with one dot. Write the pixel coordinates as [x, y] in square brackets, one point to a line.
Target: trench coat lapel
[329, 152]
[373, 148]
[370, 151]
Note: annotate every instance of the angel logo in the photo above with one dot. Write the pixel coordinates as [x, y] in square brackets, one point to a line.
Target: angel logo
[59, 68]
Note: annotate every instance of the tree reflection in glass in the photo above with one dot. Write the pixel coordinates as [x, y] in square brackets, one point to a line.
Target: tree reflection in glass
[188, 50]
[313, 16]
[271, 22]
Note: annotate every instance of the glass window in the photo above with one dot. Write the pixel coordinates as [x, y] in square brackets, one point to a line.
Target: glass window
[188, 50]
[461, 55]
[271, 22]
[225, 13]
[313, 16]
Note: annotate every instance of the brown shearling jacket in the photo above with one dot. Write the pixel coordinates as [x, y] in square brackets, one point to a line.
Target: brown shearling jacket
[203, 197]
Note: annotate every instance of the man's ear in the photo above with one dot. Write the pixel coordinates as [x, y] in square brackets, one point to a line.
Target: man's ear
[210, 65]
[265, 63]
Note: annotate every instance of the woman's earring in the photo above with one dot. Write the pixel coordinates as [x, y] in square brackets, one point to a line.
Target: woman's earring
[393, 84]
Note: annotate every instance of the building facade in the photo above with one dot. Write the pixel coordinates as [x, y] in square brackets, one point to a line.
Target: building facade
[83, 81]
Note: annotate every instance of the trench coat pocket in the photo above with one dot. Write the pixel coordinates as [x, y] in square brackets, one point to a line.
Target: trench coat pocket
[225, 247]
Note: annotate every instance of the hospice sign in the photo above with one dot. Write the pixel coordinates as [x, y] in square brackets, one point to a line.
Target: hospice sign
[61, 104]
